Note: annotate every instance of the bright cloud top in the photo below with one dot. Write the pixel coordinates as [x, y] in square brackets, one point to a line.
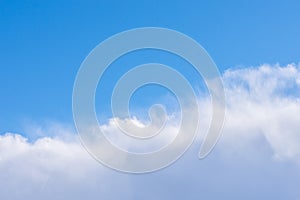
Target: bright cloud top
[265, 101]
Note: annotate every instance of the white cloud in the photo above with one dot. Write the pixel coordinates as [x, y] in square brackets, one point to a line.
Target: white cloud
[262, 118]
[264, 102]
[49, 168]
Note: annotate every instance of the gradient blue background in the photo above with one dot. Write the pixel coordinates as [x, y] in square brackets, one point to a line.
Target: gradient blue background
[42, 43]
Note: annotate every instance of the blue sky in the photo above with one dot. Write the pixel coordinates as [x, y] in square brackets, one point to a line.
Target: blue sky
[42, 45]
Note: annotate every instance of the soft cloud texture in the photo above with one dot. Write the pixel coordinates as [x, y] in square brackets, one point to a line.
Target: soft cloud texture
[258, 155]
[49, 168]
[264, 102]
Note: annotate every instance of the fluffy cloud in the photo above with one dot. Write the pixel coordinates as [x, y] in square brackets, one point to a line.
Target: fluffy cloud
[53, 168]
[264, 102]
[262, 122]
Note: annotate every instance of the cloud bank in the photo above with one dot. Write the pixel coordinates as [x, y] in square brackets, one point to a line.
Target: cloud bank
[260, 141]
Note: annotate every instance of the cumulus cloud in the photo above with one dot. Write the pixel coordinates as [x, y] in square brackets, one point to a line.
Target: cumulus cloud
[262, 119]
[264, 102]
[49, 168]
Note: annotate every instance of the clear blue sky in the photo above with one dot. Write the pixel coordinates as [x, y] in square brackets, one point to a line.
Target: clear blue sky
[42, 44]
